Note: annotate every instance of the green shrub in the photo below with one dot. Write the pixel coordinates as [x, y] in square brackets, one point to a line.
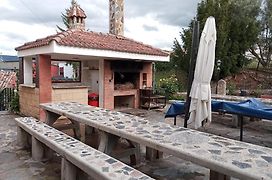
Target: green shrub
[170, 86]
[231, 88]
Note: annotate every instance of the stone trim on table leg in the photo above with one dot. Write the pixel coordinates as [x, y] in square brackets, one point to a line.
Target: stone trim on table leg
[89, 130]
[152, 154]
[135, 158]
[107, 142]
[76, 129]
[50, 117]
[218, 176]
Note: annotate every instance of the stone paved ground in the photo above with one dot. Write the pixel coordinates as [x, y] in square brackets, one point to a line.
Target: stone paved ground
[17, 164]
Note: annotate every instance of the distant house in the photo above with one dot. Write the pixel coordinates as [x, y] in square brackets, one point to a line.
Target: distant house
[9, 63]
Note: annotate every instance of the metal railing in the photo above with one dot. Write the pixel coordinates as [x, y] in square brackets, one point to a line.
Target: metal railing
[6, 96]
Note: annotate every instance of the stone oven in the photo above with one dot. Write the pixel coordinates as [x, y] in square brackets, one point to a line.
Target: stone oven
[126, 78]
[126, 74]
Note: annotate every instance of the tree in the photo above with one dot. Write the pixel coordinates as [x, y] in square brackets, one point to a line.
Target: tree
[262, 50]
[234, 35]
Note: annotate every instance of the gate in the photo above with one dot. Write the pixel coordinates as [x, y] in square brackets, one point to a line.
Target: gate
[6, 95]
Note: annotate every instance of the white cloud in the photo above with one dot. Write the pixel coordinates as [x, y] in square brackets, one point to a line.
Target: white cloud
[13, 34]
[163, 37]
[153, 22]
[6, 4]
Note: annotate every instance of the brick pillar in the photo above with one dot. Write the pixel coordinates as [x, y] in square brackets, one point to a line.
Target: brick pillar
[108, 86]
[147, 68]
[21, 70]
[44, 81]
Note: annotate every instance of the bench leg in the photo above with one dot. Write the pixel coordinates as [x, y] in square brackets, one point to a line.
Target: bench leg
[152, 154]
[22, 138]
[37, 150]
[68, 170]
[48, 153]
[218, 176]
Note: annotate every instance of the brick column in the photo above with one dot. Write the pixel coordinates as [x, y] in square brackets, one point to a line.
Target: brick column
[108, 86]
[44, 81]
[147, 68]
[21, 70]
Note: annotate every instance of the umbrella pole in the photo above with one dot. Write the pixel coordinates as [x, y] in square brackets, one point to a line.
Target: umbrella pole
[195, 43]
[241, 127]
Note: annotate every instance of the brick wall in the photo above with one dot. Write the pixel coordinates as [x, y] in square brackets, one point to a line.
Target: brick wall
[29, 101]
[76, 95]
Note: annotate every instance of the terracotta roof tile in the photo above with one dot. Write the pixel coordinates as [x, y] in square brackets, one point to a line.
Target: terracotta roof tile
[76, 11]
[7, 79]
[94, 40]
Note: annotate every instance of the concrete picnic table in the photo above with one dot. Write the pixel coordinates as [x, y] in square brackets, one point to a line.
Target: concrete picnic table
[224, 157]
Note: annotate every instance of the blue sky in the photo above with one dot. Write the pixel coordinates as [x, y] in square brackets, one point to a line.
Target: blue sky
[153, 22]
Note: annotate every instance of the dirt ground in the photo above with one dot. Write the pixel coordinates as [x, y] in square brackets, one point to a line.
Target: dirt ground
[16, 163]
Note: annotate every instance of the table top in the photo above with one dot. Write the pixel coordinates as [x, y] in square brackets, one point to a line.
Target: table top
[227, 156]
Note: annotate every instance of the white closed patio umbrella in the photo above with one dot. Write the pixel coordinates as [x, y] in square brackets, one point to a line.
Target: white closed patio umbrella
[200, 108]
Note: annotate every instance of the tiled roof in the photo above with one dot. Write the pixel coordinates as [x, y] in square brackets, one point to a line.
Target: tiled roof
[8, 58]
[76, 11]
[93, 40]
[7, 79]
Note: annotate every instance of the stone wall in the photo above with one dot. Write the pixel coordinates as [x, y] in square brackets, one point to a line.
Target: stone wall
[29, 101]
[76, 95]
[116, 17]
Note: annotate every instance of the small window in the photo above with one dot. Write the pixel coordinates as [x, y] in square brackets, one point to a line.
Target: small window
[65, 71]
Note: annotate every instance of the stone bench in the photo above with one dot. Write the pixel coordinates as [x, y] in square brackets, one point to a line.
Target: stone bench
[75, 154]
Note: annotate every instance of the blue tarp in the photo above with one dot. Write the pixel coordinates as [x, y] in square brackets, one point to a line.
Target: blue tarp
[250, 107]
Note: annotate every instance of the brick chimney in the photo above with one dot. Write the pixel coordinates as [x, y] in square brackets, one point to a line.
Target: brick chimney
[76, 16]
[116, 17]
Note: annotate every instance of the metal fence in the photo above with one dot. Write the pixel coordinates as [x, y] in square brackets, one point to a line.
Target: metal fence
[6, 96]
